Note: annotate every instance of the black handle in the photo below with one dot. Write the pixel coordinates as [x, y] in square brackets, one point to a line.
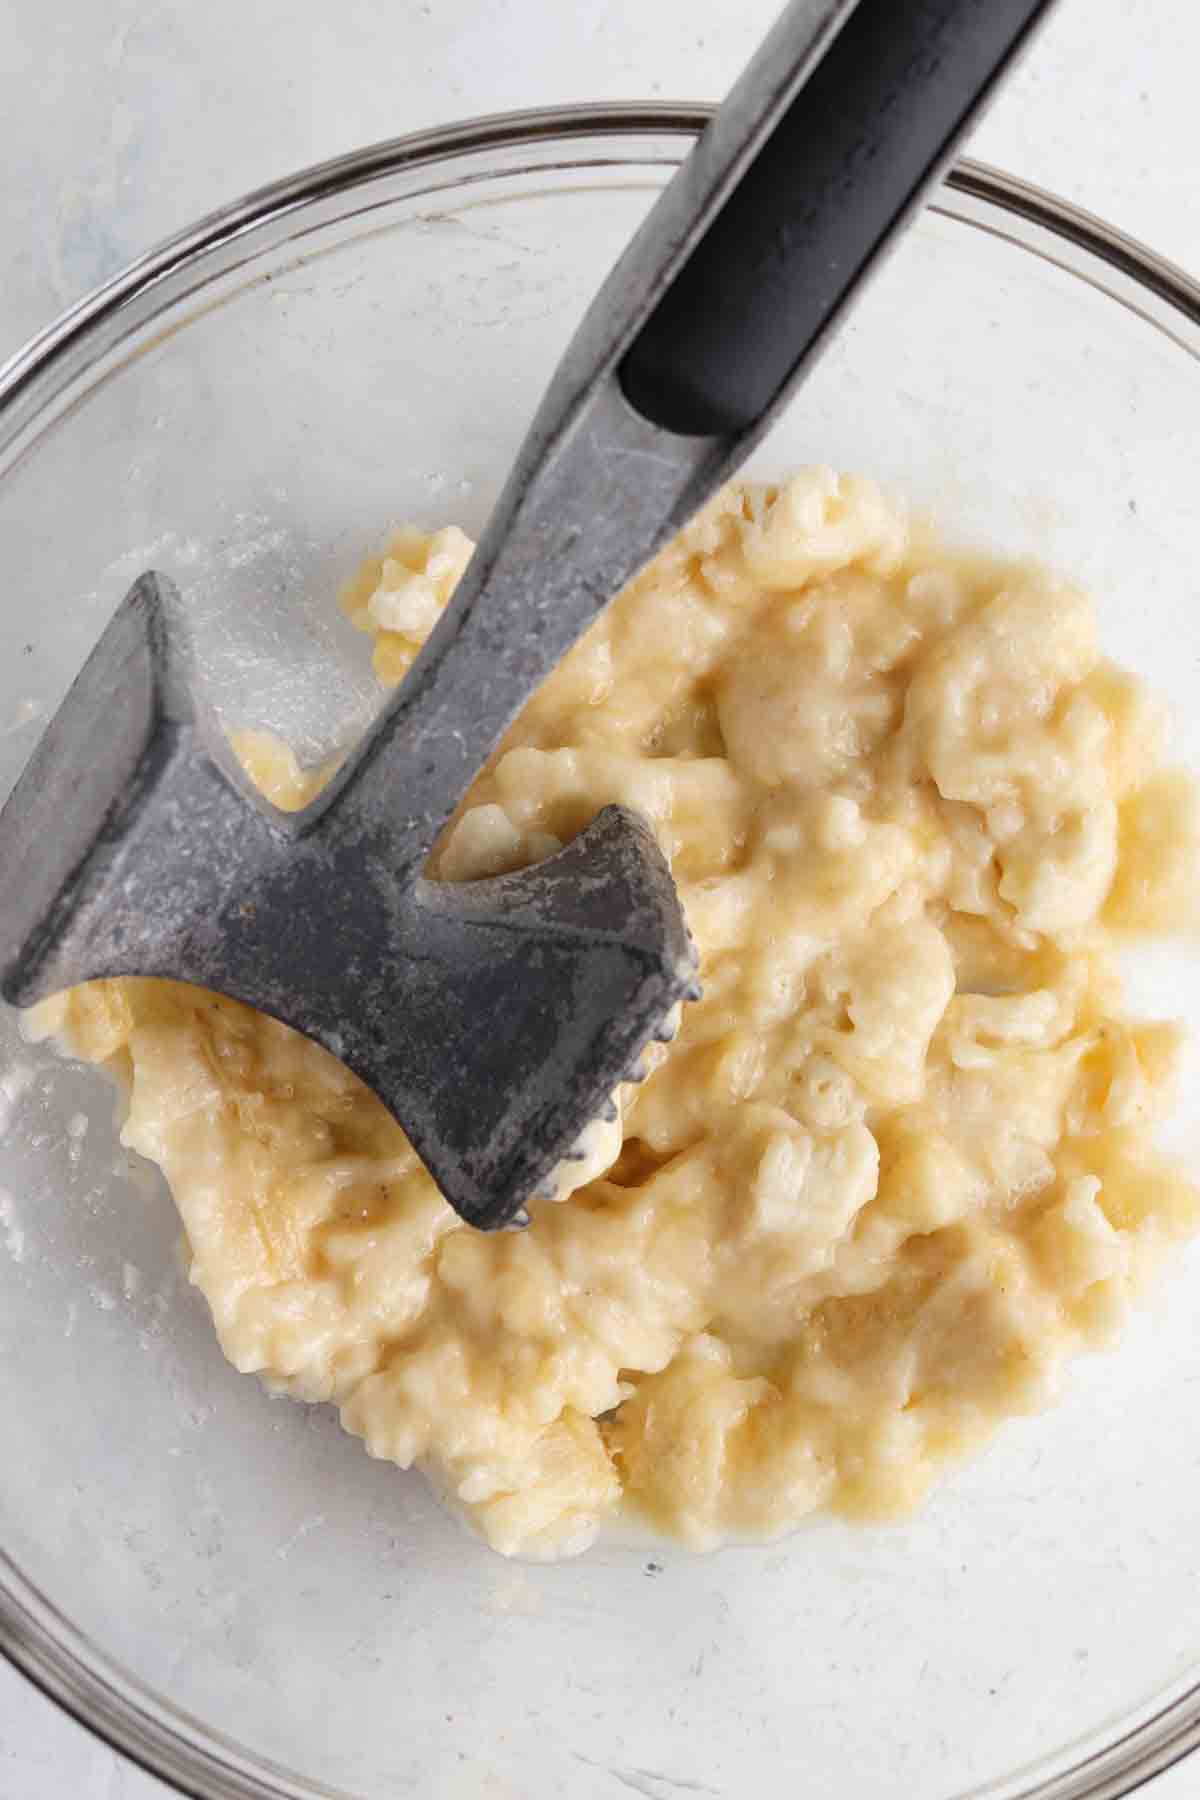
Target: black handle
[874, 125]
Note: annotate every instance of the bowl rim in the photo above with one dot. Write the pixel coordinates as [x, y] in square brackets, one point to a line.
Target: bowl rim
[36, 1638]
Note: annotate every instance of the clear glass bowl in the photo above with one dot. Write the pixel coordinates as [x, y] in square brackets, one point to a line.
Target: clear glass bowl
[224, 1585]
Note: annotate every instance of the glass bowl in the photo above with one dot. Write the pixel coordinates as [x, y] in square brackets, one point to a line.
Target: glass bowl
[222, 1584]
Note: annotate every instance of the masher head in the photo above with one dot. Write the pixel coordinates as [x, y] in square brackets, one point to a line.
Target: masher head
[493, 1018]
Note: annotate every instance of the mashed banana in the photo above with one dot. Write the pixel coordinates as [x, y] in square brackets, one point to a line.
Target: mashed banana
[897, 1166]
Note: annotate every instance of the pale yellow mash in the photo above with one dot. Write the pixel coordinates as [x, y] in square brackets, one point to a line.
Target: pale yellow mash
[898, 1165]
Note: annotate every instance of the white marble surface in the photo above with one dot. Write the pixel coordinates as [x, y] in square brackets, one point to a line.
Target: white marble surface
[125, 119]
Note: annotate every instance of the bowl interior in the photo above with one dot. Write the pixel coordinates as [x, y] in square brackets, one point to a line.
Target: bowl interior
[372, 361]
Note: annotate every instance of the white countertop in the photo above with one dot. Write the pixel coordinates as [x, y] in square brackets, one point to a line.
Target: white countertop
[125, 120]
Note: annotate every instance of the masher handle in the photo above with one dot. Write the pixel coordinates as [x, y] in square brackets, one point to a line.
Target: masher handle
[840, 166]
[822, 150]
